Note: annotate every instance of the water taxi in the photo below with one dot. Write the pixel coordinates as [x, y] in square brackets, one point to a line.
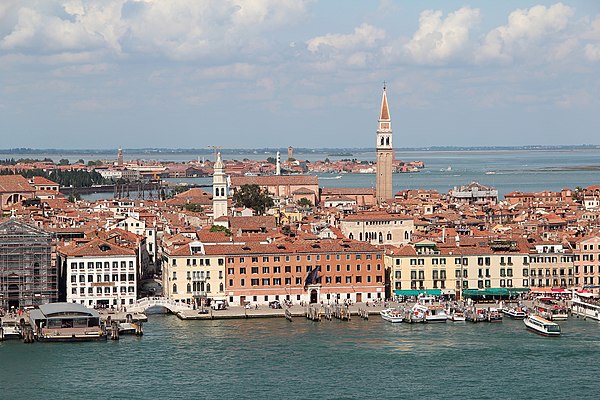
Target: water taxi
[493, 315]
[392, 315]
[476, 315]
[455, 315]
[10, 330]
[542, 326]
[514, 312]
[585, 305]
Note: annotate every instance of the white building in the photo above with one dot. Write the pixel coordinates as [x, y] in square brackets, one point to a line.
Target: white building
[99, 273]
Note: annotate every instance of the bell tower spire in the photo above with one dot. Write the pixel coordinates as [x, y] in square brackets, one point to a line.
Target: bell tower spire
[385, 152]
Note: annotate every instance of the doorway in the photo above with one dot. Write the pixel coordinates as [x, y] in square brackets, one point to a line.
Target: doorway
[314, 297]
[358, 297]
[13, 296]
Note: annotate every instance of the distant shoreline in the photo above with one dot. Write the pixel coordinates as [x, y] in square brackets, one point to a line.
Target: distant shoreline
[255, 151]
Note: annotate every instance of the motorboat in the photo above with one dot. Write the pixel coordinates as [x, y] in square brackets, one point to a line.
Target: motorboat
[586, 305]
[542, 326]
[455, 315]
[392, 315]
[514, 312]
[494, 315]
[476, 315]
[10, 330]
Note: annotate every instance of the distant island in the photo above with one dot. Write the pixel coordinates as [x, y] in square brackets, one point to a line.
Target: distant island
[340, 155]
[300, 150]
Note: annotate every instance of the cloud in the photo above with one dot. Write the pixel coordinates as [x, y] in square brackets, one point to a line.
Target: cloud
[438, 40]
[526, 28]
[592, 52]
[176, 29]
[364, 36]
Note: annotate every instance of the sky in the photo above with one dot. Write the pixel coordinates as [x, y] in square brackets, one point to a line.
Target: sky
[99, 74]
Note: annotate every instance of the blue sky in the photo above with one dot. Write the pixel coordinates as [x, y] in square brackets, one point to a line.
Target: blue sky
[273, 73]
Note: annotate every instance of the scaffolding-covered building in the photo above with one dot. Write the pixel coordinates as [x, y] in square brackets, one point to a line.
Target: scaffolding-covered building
[27, 270]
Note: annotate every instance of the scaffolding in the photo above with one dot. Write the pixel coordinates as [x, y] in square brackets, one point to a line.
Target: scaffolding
[28, 275]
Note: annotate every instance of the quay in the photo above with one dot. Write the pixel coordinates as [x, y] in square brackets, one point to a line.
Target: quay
[313, 312]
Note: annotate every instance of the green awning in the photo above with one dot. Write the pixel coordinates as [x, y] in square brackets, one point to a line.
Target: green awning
[429, 292]
[493, 292]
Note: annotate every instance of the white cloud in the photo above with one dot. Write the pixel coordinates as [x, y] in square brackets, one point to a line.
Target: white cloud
[526, 28]
[178, 29]
[438, 40]
[592, 52]
[364, 36]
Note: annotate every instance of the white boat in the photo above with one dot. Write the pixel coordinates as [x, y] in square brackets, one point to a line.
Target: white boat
[552, 311]
[494, 315]
[514, 312]
[585, 305]
[10, 330]
[455, 315]
[542, 326]
[433, 311]
[392, 315]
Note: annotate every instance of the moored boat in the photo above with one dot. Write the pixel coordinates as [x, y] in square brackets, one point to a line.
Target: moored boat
[585, 305]
[552, 310]
[493, 315]
[476, 315]
[542, 326]
[392, 315]
[10, 330]
[514, 312]
[66, 322]
[455, 314]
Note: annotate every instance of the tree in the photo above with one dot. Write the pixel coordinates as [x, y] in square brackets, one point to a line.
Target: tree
[73, 197]
[271, 160]
[253, 197]
[220, 228]
[304, 202]
[193, 207]
[63, 161]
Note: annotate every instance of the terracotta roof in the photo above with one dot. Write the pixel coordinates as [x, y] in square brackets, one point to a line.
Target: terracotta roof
[96, 248]
[376, 216]
[273, 180]
[14, 183]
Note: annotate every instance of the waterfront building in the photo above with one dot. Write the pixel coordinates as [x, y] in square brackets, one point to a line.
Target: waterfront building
[193, 273]
[450, 268]
[99, 273]
[220, 189]
[587, 263]
[551, 265]
[378, 227]
[311, 271]
[385, 153]
[28, 276]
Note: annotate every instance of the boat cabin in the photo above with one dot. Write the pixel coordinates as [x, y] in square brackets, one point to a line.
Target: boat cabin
[65, 322]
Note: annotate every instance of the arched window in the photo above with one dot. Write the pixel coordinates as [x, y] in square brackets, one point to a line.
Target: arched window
[351, 236]
[221, 288]
[387, 140]
[189, 288]
[174, 288]
[405, 235]
[380, 237]
[360, 236]
[208, 287]
[382, 140]
[389, 236]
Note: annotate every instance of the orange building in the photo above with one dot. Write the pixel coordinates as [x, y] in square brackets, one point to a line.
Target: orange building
[310, 271]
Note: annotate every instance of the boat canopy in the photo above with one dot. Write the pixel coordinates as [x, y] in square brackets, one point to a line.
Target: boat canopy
[493, 292]
[431, 292]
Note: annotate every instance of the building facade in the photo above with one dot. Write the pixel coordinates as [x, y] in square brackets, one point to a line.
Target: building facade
[378, 227]
[28, 275]
[99, 274]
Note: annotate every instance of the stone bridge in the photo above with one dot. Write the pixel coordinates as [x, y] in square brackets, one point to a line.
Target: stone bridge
[141, 305]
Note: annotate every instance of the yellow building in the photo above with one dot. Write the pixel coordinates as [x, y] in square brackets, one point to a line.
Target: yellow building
[191, 274]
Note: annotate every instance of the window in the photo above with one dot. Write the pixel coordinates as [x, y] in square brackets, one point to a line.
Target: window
[242, 270]
[254, 270]
[254, 282]
[288, 269]
[276, 270]
[338, 279]
[265, 270]
[254, 259]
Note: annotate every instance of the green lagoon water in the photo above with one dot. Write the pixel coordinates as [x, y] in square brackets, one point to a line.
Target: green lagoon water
[276, 359]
